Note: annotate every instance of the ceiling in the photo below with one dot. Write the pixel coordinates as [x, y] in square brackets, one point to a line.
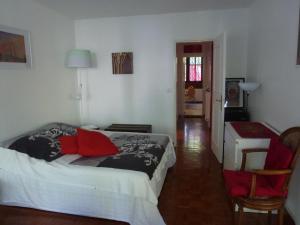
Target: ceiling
[83, 9]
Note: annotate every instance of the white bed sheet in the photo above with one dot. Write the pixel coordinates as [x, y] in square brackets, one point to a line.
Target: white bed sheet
[109, 193]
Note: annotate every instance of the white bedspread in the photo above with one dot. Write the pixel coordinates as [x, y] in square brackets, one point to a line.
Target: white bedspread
[117, 194]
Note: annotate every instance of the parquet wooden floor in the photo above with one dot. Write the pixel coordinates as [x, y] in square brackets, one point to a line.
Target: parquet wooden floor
[193, 193]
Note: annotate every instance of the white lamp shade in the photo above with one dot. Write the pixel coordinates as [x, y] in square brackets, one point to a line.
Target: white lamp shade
[249, 86]
[79, 58]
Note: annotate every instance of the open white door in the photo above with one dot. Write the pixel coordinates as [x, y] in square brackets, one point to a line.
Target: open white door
[219, 68]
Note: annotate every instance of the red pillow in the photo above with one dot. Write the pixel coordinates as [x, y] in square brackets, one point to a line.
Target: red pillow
[93, 143]
[68, 144]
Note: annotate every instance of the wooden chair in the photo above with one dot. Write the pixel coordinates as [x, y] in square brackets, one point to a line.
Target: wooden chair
[265, 189]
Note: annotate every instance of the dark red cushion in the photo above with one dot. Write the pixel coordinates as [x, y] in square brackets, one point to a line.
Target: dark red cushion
[68, 144]
[278, 157]
[92, 143]
[238, 184]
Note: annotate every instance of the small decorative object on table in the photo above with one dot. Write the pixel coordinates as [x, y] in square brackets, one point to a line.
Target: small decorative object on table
[139, 128]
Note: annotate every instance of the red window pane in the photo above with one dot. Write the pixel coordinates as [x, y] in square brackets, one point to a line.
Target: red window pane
[198, 73]
[195, 73]
[192, 72]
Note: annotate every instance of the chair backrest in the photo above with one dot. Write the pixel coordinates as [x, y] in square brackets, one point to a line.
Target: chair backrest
[291, 138]
[283, 154]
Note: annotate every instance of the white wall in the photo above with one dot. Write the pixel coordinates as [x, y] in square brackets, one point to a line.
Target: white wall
[149, 96]
[272, 48]
[32, 97]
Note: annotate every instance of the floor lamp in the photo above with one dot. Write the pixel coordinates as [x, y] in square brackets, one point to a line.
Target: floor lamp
[248, 87]
[80, 59]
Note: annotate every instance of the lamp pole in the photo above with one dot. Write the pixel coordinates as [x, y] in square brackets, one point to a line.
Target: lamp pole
[80, 59]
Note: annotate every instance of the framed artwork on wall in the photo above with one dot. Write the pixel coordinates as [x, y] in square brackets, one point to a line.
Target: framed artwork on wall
[15, 50]
[122, 63]
[234, 95]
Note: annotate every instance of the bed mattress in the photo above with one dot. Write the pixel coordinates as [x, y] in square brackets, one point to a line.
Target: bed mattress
[59, 186]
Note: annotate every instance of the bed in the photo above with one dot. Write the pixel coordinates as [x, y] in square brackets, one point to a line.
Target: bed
[73, 184]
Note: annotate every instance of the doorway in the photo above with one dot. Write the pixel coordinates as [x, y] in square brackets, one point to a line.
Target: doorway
[194, 80]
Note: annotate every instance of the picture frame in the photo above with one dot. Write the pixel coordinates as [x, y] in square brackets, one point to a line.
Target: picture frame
[122, 63]
[234, 95]
[15, 48]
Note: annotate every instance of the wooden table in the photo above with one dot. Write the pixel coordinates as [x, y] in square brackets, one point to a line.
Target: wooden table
[139, 128]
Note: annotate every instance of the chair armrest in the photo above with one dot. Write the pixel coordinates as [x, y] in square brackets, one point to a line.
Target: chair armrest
[272, 172]
[250, 150]
[265, 173]
[253, 150]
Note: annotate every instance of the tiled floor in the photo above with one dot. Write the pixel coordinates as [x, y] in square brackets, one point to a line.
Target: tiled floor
[198, 175]
[193, 193]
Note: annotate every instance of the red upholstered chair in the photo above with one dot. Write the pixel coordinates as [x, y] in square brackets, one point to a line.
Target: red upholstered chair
[265, 189]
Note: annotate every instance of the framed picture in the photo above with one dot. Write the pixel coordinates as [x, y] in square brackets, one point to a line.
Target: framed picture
[15, 51]
[234, 95]
[298, 50]
[122, 63]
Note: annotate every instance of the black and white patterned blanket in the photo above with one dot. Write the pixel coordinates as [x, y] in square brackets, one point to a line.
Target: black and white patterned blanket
[137, 152]
[42, 143]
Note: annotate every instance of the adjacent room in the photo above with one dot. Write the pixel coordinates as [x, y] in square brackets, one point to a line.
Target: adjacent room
[170, 112]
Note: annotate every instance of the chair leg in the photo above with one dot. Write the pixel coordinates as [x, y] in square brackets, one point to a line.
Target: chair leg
[269, 217]
[233, 212]
[240, 216]
[280, 216]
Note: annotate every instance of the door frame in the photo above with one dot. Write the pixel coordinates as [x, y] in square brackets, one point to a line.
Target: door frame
[211, 82]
